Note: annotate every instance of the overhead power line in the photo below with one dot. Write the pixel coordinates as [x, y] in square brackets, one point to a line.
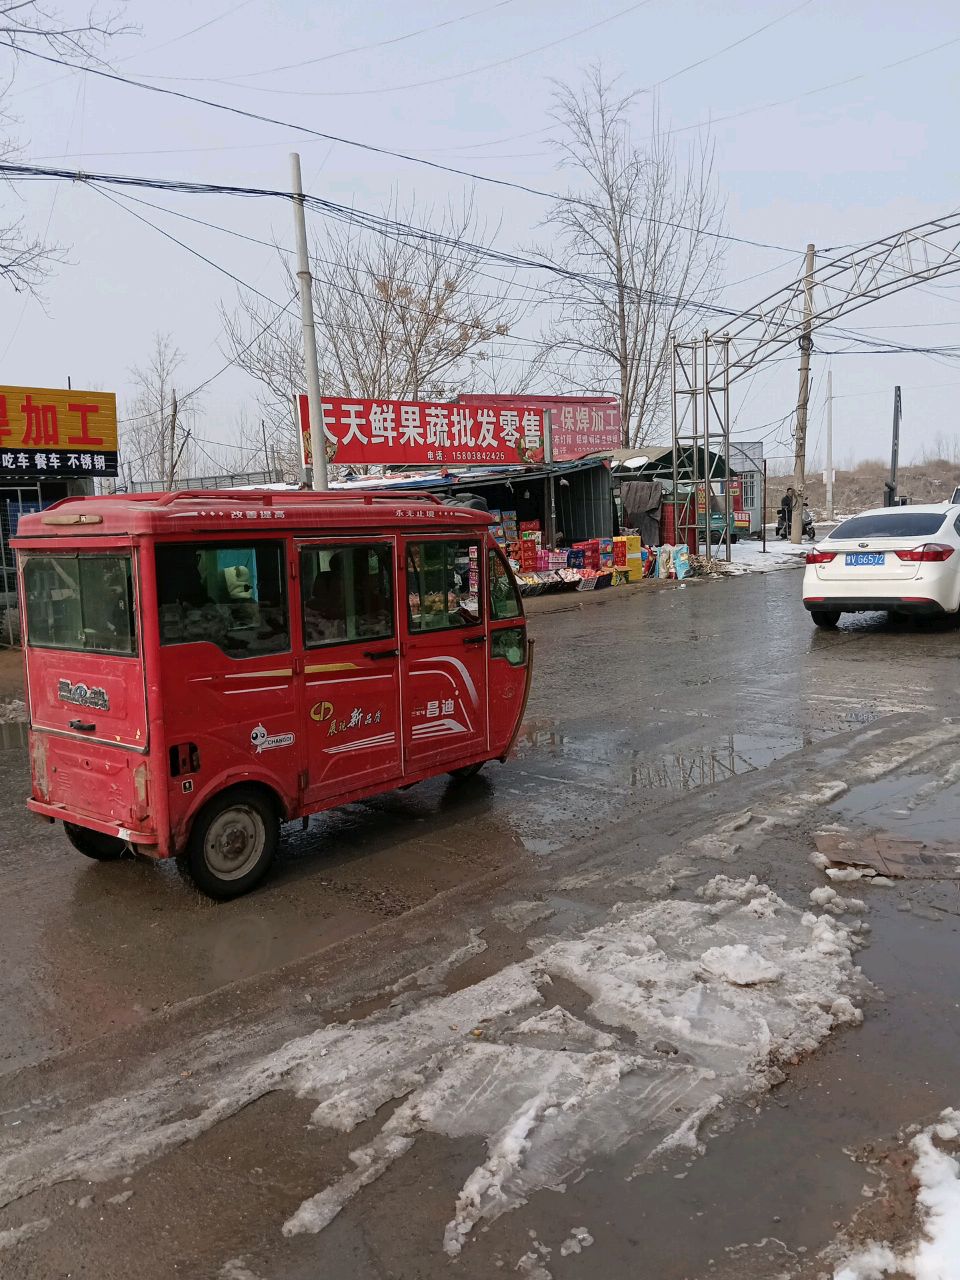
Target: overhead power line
[376, 223]
[809, 93]
[115, 78]
[447, 79]
[343, 53]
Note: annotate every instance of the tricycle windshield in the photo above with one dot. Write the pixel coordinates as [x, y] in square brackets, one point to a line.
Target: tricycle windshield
[80, 602]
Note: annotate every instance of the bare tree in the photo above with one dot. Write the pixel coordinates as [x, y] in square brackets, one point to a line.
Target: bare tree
[397, 318]
[27, 25]
[637, 228]
[156, 434]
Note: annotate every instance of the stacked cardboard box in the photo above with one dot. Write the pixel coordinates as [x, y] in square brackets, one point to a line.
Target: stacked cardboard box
[628, 556]
[590, 552]
[550, 561]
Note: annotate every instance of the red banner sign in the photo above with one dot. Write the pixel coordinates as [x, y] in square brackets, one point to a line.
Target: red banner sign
[581, 425]
[418, 433]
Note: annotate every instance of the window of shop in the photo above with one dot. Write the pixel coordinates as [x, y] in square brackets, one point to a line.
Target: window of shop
[83, 603]
[347, 593]
[748, 489]
[443, 585]
[230, 594]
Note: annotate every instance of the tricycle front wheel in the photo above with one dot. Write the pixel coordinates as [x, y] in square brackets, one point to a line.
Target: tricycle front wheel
[232, 843]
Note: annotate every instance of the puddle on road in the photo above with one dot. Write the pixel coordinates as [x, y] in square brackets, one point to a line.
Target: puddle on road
[608, 757]
[918, 806]
[13, 735]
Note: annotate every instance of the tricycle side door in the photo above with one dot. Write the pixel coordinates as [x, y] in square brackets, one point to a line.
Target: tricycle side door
[507, 679]
[445, 652]
[229, 697]
[351, 666]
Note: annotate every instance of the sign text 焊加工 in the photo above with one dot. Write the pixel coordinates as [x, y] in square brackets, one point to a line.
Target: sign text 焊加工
[45, 432]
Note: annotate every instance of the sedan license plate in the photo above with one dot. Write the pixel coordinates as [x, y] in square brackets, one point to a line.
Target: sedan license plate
[859, 558]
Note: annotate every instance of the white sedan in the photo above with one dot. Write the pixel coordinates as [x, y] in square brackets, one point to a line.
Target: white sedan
[905, 560]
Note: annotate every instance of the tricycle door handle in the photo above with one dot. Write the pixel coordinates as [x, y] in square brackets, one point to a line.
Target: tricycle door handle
[81, 726]
[378, 655]
[475, 640]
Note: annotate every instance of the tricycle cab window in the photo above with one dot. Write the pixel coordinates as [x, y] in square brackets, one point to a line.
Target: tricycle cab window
[347, 593]
[443, 585]
[230, 594]
[80, 602]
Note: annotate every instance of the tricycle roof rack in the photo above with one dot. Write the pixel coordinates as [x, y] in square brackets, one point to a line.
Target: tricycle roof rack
[222, 510]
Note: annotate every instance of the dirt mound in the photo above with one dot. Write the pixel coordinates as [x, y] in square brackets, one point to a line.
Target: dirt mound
[862, 488]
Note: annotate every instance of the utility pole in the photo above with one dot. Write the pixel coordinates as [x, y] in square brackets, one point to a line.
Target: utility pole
[266, 453]
[829, 472]
[171, 472]
[311, 364]
[803, 400]
[551, 512]
[890, 486]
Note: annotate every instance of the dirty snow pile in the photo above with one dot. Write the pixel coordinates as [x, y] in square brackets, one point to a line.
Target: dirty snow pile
[690, 1005]
[12, 710]
[749, 557]
[936, 1255]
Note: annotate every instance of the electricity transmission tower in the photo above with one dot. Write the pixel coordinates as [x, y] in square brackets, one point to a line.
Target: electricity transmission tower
[838, 284]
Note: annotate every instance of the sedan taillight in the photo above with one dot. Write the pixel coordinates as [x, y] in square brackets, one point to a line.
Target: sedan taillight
[929, 553]
[820, 557]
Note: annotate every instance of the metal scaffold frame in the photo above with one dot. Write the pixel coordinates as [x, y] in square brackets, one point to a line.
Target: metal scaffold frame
[701, 437]
[823, 292]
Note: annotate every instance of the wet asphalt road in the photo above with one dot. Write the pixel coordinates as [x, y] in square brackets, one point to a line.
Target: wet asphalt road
[655, 714]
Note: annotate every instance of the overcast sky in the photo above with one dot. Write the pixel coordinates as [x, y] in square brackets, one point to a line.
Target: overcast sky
[845, 165]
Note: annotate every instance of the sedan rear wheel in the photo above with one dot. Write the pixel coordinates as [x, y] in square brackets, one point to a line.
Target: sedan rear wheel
[827, 618]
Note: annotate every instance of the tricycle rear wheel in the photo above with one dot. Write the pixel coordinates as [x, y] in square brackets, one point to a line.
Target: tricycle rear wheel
[94, 844]
[232, 843]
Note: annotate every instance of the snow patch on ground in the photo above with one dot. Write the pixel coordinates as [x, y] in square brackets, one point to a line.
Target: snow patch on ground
[739, 965]
[749, 557]
[936, 1255]
[557, 1029]
[578, 1240]
[531, 1266]
[831, 901]
[521, 915]
[546, 1090]
[12, 711]
[16, 1235]
[432, 975]
[235, 1269]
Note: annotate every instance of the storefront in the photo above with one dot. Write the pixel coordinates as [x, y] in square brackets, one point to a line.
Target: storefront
[53, 444]
[589, 549]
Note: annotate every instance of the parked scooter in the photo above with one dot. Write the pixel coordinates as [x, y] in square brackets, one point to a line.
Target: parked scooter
[808, 531]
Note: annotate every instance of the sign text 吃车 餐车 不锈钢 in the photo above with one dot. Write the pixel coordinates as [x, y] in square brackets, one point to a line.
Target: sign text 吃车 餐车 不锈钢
[46, 432]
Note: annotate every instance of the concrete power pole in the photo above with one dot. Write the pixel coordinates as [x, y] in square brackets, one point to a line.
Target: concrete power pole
[803, 400]
[890, 486]
[829, 472]
[311, 363]
[172, 470]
